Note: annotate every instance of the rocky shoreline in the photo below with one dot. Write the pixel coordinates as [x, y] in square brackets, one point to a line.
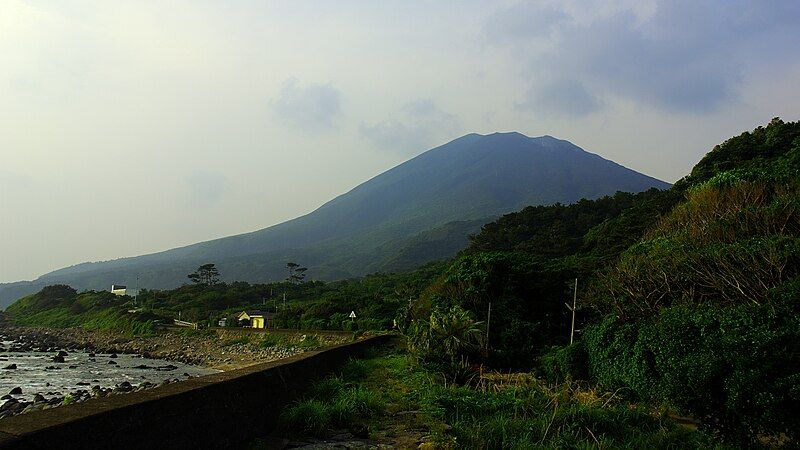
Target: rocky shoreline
[214, 349]
[217, 349]
[11, 406]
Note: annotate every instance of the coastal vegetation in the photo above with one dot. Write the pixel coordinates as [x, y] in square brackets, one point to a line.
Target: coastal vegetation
[389, 397]
[688, 306]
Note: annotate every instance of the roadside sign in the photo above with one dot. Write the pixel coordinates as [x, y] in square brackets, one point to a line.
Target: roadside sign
[352, 314]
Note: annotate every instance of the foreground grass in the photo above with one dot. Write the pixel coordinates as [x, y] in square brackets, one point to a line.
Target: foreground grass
[387, 398]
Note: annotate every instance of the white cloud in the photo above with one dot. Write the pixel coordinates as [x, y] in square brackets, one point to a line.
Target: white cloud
[310, 108]
[418, 126]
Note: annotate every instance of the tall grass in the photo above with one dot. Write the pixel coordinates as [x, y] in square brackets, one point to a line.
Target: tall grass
[332, 405]
[497, 412]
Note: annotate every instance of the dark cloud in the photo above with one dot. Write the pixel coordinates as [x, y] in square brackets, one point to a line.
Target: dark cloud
[688, 56]
[310, 108]
[418, 126]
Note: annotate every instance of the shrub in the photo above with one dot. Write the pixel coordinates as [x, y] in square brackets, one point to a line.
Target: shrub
[736, 368]
[447, 336]
[566, 363]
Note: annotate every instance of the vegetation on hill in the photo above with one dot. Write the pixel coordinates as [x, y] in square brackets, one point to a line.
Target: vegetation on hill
[417, 212]
[689, 304]
[376, 299]
[60, 306]
[696, 310]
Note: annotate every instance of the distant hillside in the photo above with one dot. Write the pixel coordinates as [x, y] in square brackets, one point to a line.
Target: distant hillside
[419, 211]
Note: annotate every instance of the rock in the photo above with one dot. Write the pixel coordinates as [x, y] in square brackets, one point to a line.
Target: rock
[10, 367]
[8, 404]
[113, 355]
[16, 391]
[58, 359]
[6, 397]
[113, 362]
[81, 383]
[39, 398]
[92, 355]
[62, 353]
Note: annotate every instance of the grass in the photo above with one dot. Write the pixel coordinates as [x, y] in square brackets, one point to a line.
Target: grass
[271, 340]
[241, 340]
[387, 394]
[191, 332]
[332, 404]
[309, 342]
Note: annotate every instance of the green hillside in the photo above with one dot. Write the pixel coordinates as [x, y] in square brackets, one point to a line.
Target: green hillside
[419, 211]
[688, 305]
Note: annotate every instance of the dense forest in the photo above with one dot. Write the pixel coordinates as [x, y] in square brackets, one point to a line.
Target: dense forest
[687, 297]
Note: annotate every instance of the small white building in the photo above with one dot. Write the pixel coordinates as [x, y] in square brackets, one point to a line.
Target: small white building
[118, 289]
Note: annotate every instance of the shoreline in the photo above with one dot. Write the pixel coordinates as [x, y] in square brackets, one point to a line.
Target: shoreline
[211, 349]
[219, 349]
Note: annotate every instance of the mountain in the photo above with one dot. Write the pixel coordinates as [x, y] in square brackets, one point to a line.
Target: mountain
[418, 211]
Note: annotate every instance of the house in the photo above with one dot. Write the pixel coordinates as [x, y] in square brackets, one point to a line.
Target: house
[118, 289]
[255, 319]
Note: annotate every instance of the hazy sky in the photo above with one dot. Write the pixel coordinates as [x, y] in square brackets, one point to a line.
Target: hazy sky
[128, 127]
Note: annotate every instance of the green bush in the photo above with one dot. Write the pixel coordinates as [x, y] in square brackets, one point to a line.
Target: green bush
[737, 368]
[566, 363]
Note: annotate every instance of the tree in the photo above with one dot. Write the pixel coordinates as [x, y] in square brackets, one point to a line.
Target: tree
[296, 272]
[205, 274]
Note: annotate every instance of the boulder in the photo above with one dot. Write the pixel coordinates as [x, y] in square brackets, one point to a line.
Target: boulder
[16, 391]
[58, 359]
[10, 367]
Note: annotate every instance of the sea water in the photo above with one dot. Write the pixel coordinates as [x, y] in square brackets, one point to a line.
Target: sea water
[36, 373]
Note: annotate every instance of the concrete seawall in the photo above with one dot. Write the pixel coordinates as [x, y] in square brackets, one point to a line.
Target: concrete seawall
[214, 411]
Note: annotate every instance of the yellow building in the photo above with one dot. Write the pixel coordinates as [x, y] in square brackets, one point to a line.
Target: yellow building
[255, 319]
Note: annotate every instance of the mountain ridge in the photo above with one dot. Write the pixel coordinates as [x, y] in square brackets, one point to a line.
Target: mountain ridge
[471, 177]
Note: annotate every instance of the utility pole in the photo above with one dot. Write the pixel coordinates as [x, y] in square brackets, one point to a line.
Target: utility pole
[572, 308]
[488, 322]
